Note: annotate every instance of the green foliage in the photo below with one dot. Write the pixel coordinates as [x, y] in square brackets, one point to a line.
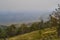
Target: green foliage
[11, 30]
[55, 19]
[46, 34]
[37, 26]
[3, 34]
[23, 29]
[34, 26]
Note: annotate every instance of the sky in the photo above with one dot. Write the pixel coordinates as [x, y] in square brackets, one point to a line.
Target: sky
[16, 11]
[25, 5]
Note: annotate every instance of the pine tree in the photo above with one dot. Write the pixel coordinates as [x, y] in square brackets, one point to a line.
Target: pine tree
[55, 19]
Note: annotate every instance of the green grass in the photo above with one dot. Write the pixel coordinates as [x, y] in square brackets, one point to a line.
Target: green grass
[45, 34]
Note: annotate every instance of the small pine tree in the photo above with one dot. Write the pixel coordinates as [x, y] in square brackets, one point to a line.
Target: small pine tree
[23, 29]
[11, 30]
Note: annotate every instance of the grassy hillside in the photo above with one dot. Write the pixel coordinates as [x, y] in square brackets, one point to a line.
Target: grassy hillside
[45, 34]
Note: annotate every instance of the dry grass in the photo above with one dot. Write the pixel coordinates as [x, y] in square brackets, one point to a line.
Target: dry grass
[45, 34]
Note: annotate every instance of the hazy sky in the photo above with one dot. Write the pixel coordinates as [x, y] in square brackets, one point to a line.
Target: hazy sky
[28, 4]
[31, 6]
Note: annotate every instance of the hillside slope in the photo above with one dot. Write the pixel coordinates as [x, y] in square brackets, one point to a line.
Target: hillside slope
[45, 34]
